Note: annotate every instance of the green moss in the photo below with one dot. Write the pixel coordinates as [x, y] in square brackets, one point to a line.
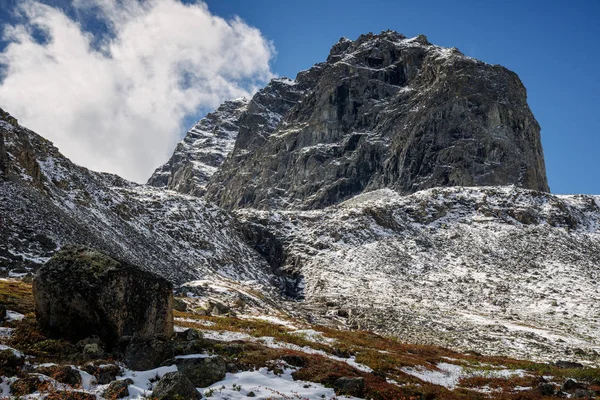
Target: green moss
[17, 296]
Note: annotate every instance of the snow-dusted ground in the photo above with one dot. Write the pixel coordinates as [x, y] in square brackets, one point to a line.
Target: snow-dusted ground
[449, 375]
[499, 270]
[268, 341]
[263, 383]
[267, 385]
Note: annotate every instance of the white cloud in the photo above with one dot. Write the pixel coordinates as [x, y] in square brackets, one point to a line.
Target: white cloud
[119, 107]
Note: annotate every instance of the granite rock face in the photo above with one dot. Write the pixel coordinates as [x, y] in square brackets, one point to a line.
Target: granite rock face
[383, 111]
[81, 292]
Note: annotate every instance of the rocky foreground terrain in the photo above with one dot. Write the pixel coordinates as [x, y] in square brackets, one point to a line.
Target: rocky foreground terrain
[398, 187]
[130, 349]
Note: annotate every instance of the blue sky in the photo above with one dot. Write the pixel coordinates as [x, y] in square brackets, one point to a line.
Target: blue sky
[553, 46]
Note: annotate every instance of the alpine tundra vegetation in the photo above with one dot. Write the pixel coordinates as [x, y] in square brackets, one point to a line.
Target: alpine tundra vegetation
[380, 227]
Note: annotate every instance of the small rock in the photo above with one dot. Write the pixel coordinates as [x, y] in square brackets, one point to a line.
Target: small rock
[570, 384]
[62, 373]
[546, 389]
[350, 386]
[568, 364]
[191, 346]
[251, 394]
[10, 362]
[24, 386]
[103, 371]
[175, 385]
[343, 313]
[188, 335]
[218, 308]
[2, 312]
[231, 368]
[179, 305]
[118, 389]
[202, 371]
[584, 394]
[294, 360]
[143, 355]
[92, 351]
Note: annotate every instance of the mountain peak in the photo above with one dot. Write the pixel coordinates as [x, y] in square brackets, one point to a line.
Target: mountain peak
[382, 111]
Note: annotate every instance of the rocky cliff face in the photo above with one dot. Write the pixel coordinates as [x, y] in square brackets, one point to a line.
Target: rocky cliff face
[382, 111]
[47, 202]
[202, 151]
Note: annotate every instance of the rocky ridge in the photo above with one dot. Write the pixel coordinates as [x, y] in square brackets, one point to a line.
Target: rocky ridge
[48, 202]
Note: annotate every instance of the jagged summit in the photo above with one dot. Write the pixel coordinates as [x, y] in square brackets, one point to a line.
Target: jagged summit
[383, 111]
[202, 151]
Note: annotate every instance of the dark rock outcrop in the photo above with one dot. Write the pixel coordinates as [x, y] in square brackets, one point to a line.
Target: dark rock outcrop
[81, 292]
[62, 373]
[26, 385]
[173, 386]
[383, 111]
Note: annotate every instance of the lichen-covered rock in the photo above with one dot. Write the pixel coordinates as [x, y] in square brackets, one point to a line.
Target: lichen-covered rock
[174, 386]
[350, 386]
[27, 385]
[10, 360]
[103, 371]
[81, 292]
[118, 389]
[383, 111]
[62, 373]
[202, 371]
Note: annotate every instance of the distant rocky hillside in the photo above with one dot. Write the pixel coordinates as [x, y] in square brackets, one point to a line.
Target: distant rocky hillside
[48, 202]
[383, 111]
[499, 270]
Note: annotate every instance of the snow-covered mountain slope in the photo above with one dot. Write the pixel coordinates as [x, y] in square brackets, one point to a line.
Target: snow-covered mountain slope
[498, 270]
[202, 151]
[47, 202]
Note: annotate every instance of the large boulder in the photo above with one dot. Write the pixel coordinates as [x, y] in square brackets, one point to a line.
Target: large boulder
[81, 292]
